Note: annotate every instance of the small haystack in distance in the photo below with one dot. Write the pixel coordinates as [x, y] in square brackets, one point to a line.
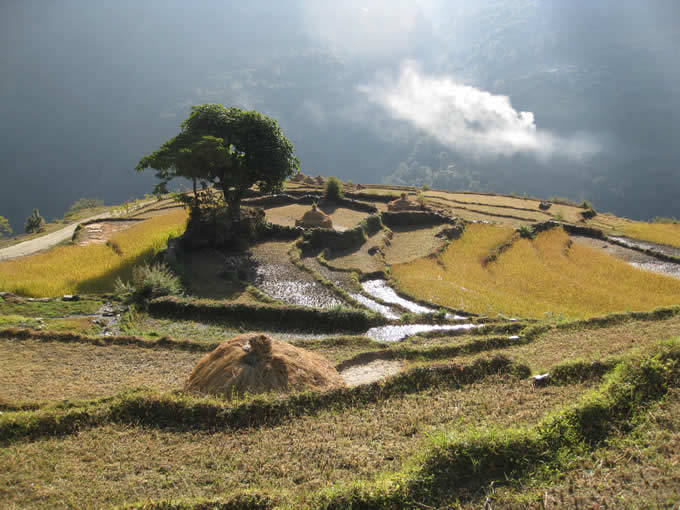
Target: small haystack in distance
[309, 180]
[298, 177]
[255, 363]
[314, 219]
[319, 179]
[402, 204]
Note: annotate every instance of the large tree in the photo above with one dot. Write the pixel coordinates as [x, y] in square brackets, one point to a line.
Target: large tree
[229, 148]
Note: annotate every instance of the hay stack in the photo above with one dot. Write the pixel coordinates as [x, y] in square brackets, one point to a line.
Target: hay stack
[319, 179]
[314, 219]
[298, 177]
[309, 180]
[255, 363]
[402, 204]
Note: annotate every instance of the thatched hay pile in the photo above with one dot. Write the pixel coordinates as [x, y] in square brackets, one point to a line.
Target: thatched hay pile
[255, 363]
[314, 218]
[402, 204]
[309, 180]
[319, 179]
[298, 177]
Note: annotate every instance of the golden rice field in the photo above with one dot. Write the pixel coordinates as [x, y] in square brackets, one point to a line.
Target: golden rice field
[92, 268]
[549, 275]
[663, 233]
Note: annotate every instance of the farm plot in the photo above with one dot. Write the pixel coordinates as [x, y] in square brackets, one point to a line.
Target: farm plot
[118, 464]
[581, 342]
[93, 268]
[366, 259]
[410, 243]
[549, 275]
[279, 278]
[38, 371]
[343, 218]
[523, 207]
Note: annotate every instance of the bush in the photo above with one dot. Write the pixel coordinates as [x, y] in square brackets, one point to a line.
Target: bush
[34, 223]
[526, 231]
[149, 282]
[333, 189]
[589, 213]
[5, 227]
[420, 198]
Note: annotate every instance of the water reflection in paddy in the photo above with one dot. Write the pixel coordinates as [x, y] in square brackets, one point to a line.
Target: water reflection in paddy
[396, 333]
[381, 290]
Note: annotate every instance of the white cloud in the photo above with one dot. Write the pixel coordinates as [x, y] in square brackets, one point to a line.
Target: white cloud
[471, 121]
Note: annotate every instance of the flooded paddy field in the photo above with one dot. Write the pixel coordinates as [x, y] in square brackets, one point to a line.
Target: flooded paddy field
[279, 278]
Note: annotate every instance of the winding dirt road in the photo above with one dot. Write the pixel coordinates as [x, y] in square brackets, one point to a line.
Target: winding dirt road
[44, 242]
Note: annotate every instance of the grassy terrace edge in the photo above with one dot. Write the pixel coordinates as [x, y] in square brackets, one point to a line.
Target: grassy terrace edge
[187, 412]
[335, 319]
[472, 460]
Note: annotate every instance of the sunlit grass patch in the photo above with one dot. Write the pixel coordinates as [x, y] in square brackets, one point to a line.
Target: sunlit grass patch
[93, 268]
[549, 275]
[662, 233]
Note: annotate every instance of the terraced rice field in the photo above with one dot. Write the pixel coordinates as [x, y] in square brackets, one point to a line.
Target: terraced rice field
[366, 259]
[280, 279]
[547, 276]
[410, 243]
[94, 268]
[343, 219]
[523, 207]
[452, 421]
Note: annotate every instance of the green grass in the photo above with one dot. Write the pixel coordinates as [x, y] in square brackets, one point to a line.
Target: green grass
[49, 309]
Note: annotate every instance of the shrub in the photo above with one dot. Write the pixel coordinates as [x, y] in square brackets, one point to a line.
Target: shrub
[5, 227]
[426, 187]
[526, 232]
[420, 198]
[333, 189]
[589, 213]
[559, 215]
[34, 223]
[149, 282]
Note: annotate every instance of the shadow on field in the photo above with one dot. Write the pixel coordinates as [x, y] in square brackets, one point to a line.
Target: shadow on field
[106, 281]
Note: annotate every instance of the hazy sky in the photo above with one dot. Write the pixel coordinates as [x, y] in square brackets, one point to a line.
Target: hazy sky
[551, 97]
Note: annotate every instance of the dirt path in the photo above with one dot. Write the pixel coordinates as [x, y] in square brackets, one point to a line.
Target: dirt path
[46, 241]
[370, 372]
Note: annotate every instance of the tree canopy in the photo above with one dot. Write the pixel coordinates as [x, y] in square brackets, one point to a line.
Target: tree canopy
[5, 227]
[229, 148]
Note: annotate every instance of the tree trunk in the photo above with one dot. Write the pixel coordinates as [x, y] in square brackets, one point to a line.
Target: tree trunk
[233, 200]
